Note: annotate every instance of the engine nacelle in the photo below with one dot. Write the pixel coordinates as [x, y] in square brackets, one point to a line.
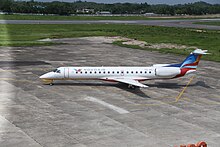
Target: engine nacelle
[167, 71]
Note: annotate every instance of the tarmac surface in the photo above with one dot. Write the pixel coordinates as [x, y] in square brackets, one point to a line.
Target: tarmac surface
[96, 113]
[184, 23]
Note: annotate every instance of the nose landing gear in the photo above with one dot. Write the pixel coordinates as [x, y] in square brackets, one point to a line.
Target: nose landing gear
[47, 82]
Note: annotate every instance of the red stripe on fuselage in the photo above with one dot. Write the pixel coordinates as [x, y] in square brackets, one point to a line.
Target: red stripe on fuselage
[183, 71]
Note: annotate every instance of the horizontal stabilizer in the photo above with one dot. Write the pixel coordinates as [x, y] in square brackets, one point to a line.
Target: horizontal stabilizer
[200, 52]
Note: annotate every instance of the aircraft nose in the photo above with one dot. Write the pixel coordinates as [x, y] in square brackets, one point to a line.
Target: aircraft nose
[45, 76]
[42, 76]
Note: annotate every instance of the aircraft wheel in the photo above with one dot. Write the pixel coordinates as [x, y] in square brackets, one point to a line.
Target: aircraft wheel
[47, 82]
[134, 87]
[131, 86]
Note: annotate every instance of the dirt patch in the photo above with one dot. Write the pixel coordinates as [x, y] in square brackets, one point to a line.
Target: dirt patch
[144, 44]
[126, 41]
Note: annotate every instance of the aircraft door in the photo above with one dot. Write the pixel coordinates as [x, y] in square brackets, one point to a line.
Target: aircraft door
[66, 72]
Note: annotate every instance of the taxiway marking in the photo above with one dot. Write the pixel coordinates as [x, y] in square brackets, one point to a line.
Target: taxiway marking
[177, 98]
[110, 106]
[181, 93]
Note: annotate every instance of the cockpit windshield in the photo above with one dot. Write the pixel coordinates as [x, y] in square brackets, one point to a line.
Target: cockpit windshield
[56, 71]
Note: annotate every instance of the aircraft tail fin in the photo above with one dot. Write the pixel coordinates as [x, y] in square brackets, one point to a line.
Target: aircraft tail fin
[191, 62]
[193, 59]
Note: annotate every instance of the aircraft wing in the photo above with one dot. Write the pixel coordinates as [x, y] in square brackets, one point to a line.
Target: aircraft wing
[128, 81]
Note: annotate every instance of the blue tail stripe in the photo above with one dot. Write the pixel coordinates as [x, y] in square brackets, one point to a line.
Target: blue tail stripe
[189, 59]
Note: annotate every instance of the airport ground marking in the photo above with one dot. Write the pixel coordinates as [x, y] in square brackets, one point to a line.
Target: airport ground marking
[184, 89]
[110, 106]
[177, 98]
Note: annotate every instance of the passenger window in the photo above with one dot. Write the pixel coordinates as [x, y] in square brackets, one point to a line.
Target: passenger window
[149, 71]
[136, 71]
[100, 72]
[103, 72]
[95, 72]
[145, 72]
[117, 72]
[86, 72]
[90, 72]
[127, 72]
[141, 72]
[113, 72]
[132, 72]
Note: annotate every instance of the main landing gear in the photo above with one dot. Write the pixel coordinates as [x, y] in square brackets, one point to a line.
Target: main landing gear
[132, 86]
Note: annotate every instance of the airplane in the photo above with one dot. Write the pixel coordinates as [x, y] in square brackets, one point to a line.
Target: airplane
[128, 75]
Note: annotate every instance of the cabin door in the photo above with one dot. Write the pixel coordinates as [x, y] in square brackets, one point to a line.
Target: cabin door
[66, 73]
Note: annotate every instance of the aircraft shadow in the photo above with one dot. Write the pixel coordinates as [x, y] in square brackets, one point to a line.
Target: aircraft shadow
[136, 91]
[177, 85]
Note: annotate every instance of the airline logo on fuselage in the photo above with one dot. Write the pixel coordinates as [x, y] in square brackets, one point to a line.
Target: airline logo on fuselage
[78, 70]
[89, 69]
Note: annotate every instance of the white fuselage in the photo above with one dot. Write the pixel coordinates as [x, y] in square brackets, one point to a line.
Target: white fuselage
[128, 75]
[105, 73]
[141, 73]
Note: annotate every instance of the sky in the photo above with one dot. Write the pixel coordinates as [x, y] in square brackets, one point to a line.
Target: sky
[170, 2]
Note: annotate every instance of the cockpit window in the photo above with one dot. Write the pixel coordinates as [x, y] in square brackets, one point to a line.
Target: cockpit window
[56, 71]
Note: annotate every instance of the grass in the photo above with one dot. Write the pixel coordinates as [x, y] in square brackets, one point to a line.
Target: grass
[27, 35]
[214, 23]
[57, 17]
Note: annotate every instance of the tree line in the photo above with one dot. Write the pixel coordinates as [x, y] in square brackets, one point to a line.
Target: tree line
[80, 7]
